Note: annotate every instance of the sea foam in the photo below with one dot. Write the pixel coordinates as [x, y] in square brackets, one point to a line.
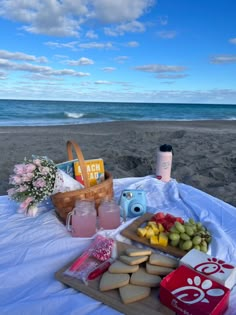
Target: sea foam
[73, 115]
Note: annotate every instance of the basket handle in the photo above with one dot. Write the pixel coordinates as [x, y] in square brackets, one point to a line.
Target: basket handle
[70, 145]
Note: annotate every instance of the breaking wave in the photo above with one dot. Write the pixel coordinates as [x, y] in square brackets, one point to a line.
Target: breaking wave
[73, 115]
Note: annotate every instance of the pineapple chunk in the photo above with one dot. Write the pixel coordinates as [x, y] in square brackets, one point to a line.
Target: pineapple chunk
[161, 227]
[152, 224]
[154, 240]
[156, 230]
[141, 232]
[149, 233]
[163, 239]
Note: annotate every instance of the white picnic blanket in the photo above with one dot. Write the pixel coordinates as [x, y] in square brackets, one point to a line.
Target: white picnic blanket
[34, 248]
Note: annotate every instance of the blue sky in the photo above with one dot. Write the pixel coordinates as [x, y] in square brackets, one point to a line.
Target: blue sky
[118, 50]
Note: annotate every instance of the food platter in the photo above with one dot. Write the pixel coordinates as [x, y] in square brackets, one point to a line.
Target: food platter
[150, 305]
[131, 233]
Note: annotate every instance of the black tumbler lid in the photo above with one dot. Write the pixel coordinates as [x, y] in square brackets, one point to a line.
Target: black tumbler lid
[166, 148]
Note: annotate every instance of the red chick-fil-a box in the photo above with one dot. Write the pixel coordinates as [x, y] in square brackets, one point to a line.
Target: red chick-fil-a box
[188, 292]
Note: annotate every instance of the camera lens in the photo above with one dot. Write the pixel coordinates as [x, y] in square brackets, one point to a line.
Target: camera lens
[136, 209]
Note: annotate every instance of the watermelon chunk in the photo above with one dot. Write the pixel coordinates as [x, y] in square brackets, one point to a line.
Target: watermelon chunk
[167, 220]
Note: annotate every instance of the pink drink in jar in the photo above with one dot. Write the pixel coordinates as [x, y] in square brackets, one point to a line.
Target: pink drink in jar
[83, 219]
[109, 215]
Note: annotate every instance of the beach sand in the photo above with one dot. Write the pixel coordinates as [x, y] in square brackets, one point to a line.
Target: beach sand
[204, 151]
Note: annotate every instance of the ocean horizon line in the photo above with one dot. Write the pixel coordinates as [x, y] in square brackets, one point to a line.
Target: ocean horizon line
[117, 102]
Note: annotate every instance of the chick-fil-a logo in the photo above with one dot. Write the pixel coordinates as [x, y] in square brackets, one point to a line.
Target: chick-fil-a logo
[196, 291]
[213, 265]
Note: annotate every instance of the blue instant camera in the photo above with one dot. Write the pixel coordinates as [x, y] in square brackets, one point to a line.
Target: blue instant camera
[132, 203]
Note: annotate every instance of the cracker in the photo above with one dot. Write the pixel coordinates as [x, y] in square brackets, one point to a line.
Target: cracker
[110, 281]
[158, 270]
[133, 293]
[121, 267]
[138, 252]
[133, 260]
[142, 278]
[162, 260]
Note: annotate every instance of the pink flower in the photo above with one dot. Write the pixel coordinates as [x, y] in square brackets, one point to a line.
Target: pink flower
[27, 177]
[15, 180]
[11, 192]
[19, 169]
[44, 170]
[22, 188]
[39, 183]
[25, 204]
[29, 168]
[37, 162]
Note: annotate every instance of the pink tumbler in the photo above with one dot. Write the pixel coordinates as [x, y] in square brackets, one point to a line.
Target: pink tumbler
[164, 162]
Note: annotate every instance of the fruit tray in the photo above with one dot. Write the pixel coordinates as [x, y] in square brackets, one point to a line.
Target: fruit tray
[131, 232]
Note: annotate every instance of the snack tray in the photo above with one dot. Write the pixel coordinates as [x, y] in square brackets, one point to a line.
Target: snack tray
[151, 305]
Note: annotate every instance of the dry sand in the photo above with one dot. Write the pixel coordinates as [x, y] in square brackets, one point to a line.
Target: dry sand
[204, 151]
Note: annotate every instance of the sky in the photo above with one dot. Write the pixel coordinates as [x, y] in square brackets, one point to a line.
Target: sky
[162, 51]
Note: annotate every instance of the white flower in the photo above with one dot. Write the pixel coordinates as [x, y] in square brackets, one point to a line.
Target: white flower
[32, 211]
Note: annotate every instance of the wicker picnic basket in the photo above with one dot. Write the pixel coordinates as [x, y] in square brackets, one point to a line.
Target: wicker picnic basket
[64, 202]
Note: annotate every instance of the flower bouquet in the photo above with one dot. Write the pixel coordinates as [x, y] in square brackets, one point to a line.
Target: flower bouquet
[37, 179]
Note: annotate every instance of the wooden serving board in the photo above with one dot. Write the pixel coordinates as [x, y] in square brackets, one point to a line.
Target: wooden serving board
[131, 232]
[151, 305]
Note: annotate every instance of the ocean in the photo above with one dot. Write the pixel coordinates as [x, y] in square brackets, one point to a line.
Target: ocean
[51, 113]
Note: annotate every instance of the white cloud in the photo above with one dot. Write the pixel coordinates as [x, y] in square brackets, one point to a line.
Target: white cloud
[168, 82]
[80, 62]
[233, 41]
[47, 71]
[108, 69]
[163, 20]
[3, 75]
[60, 57]
[103, 82]
[91, 34]
[4, 54]
[223, 59]
[96, 45]
[133, 44]
[61, 26]
[171, 76]
[167, 34]
[118, 11]
[121, 59]
[66, 17]
[75, 45]
[130, 27]
[156, 68]
[70, 45]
